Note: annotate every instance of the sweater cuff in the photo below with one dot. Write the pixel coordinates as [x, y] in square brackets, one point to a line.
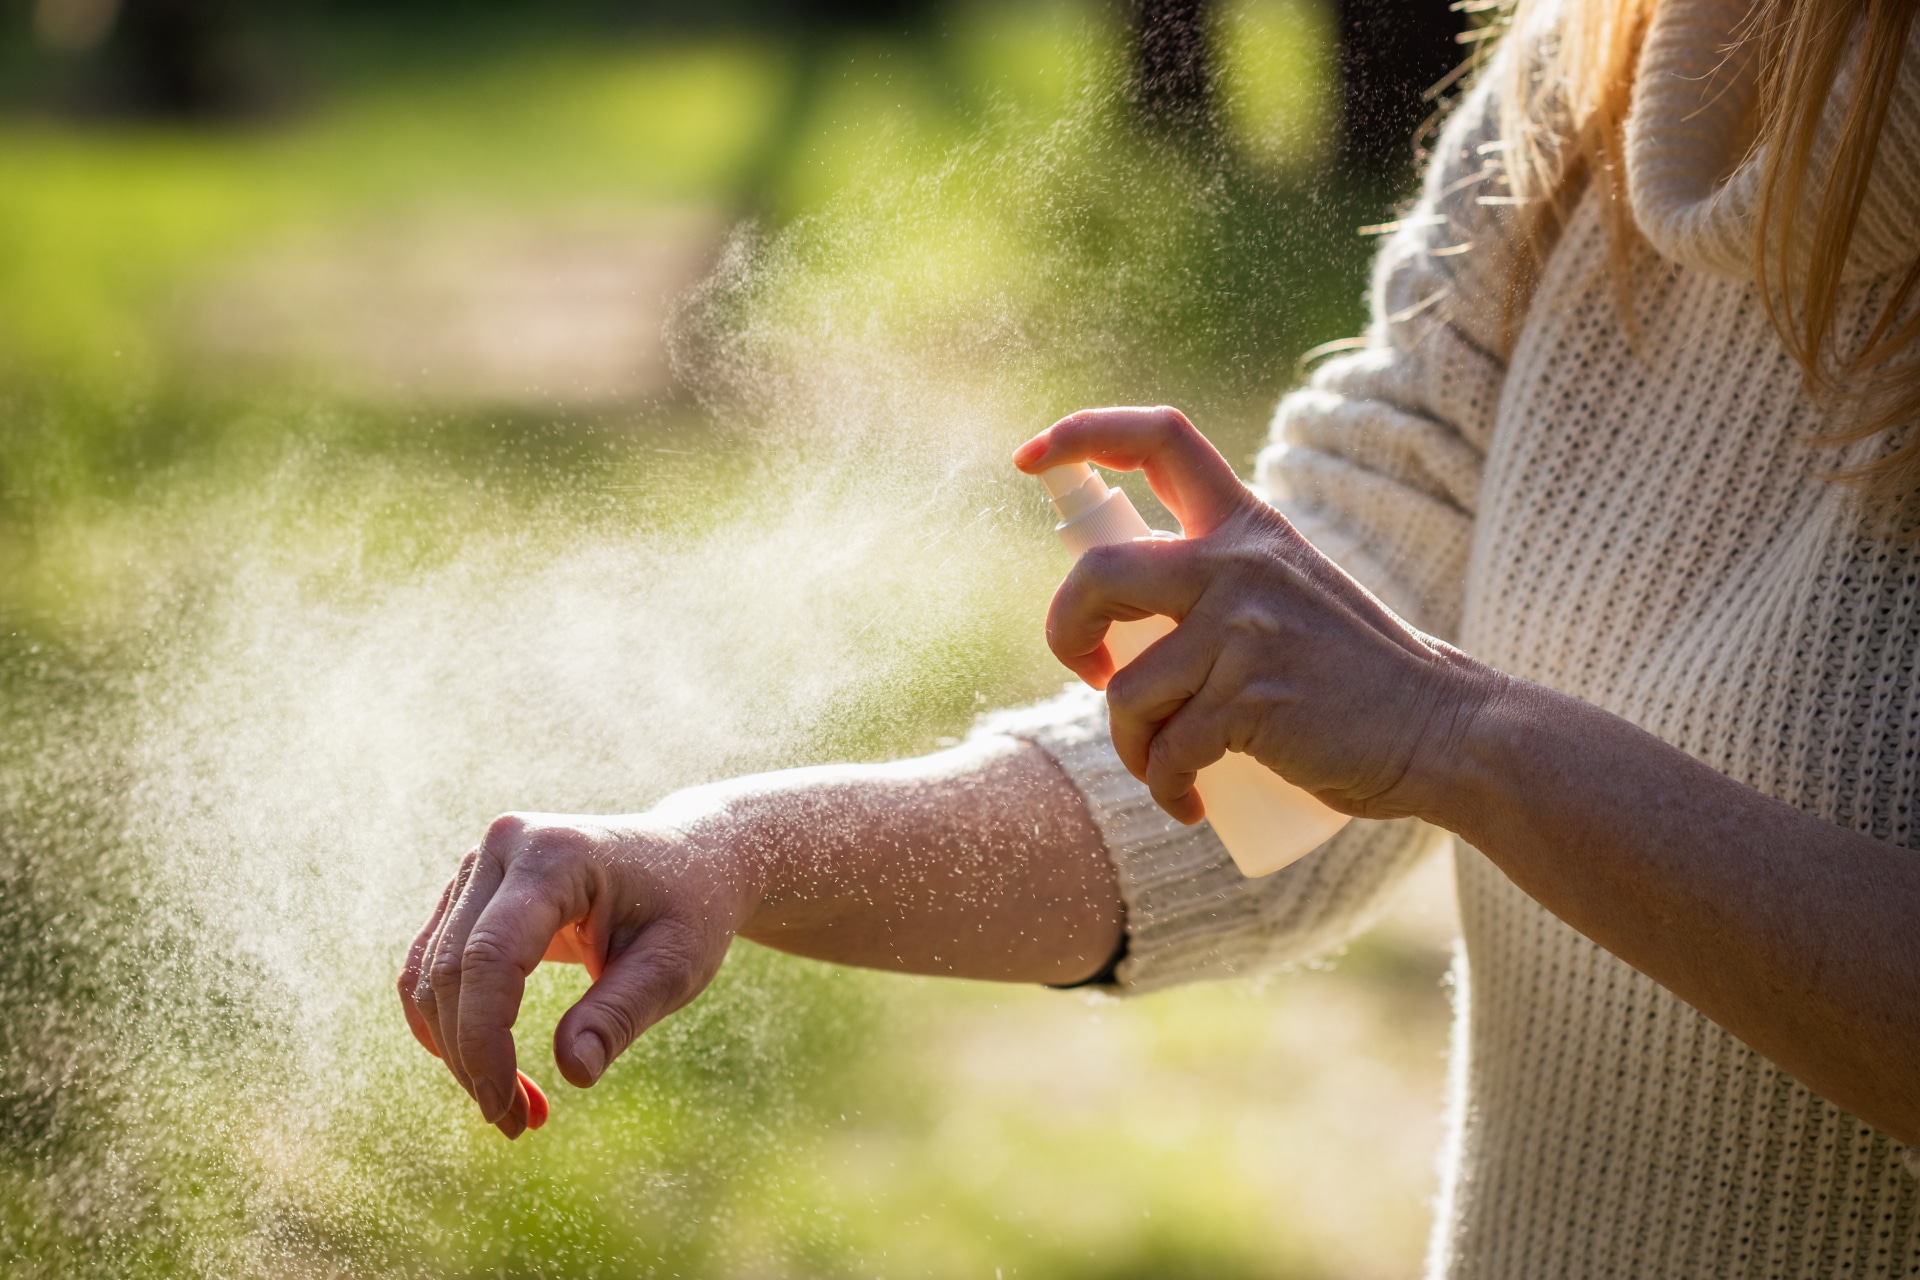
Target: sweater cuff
[1190, 913]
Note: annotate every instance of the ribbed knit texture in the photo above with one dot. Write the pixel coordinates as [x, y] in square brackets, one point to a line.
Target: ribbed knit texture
[1639, 522]
[1190, 913]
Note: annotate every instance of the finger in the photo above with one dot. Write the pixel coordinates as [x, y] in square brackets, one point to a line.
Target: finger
[519, 1111]
[1119, 583]
[427, 994]
[1152, 689]
[425, 1000]
[660, 970]
[1191, 739]
[535, 899]
[447, 971]
[538, 1108]
[410, 972]
[1184, 469]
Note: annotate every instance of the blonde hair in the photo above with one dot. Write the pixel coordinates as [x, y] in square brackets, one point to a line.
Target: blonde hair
[1584, 75]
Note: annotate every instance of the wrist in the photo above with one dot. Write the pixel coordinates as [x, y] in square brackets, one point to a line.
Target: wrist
[1460, 766]
[715, 830]
[1473, 779]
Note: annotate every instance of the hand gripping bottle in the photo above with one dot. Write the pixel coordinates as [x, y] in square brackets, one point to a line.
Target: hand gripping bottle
[1264, 821]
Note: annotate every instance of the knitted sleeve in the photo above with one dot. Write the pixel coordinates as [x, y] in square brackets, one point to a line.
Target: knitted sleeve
[1190, 913]
[1377, 461]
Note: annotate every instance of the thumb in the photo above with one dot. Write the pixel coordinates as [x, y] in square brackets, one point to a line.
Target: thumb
[1184, 469]
[658, 972]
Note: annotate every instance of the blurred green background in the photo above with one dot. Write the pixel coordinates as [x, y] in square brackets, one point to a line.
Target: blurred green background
[413, 412]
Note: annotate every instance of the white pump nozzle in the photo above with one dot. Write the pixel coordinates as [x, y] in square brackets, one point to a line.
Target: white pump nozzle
[1091, 514]
[1061, 481]
[1075, 489]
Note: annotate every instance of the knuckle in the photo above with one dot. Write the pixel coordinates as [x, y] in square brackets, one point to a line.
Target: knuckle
[550, 848]
[462, 876]
[1131, 695]
[1181, 746]
[1167, 789]
[1163, 750]
[617, 1023]
[485, 950]
[1261, 696]
[442, 975]
[1250, 621]
[1257, 712]
[503, 833]
[473, 1041]
[1099, 565]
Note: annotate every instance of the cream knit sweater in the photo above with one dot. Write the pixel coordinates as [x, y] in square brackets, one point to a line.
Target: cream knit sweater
[1637, 522]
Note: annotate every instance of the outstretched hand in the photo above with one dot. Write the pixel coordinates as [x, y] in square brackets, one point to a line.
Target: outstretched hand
[1278, 653]
[637, 903]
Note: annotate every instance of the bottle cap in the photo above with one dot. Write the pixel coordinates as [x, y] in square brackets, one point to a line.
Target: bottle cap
[1091, 514]
[1060, 481]
[1076, 489]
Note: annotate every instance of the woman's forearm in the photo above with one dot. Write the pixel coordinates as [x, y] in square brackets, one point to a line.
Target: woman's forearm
[978, 862]
[1794, 934]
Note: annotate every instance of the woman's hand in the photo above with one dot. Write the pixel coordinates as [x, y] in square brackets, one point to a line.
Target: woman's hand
[979, 861]
[638, 901]
[1792, 933]
[1279, 654]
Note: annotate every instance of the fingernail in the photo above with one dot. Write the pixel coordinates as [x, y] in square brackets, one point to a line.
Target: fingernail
[487, 1094]
[591, 1052]
[1029, 451]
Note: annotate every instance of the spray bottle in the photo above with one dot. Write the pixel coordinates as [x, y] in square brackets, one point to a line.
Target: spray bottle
[1264, 821]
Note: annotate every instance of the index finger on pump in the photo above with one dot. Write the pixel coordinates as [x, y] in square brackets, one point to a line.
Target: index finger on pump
[1184, 469]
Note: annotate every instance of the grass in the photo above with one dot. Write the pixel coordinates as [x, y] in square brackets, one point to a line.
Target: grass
[271, 649]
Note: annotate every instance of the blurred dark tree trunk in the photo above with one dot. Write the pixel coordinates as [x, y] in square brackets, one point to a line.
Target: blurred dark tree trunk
[170, 55]
[864, 14]
[1391, 53]
[1173, 68]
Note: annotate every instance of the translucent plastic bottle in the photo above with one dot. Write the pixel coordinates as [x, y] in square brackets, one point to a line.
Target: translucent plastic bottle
[1264, 821]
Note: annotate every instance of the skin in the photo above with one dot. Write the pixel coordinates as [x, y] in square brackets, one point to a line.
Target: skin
[978, 862]
[1791, 933]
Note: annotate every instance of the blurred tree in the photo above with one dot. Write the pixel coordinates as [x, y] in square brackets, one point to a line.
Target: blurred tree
[197, 58]
[174, 58]
[1391, 53]
[888, 14]
[74, 25]
[170, 58]
[1173, 88]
